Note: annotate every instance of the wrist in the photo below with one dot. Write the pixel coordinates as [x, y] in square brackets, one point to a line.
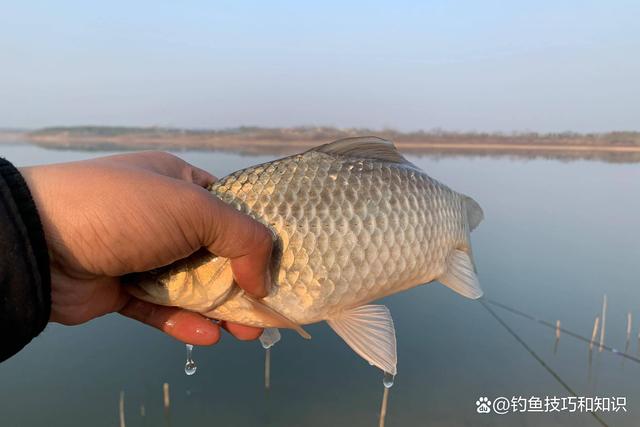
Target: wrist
[25, 288]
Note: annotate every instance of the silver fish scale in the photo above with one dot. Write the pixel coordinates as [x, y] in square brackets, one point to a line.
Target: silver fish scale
[351, 230]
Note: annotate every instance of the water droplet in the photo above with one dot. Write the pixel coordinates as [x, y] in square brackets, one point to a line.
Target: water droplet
[387, 380]
[269, 337]
[190, 367]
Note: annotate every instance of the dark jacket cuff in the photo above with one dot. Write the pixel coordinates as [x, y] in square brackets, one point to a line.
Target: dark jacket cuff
[25, 279]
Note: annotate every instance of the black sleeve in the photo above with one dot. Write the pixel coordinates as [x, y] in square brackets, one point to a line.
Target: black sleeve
[25, 281]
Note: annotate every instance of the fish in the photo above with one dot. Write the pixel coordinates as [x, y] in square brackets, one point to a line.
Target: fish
[353, 221]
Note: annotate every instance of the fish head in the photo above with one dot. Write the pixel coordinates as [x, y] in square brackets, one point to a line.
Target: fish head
[198, 283]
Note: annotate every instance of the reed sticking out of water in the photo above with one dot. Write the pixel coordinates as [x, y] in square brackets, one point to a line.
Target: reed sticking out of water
[269, 338]
[627, 344]
[603, 323]
[121, 409]
[593, 334]
[267, 368]
[555, 346]
[165, 394]
[143, 411]
[590, 368]
[383, 407]
[593, 339]
[167, 403]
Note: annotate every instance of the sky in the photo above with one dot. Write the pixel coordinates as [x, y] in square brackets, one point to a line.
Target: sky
[544, 66]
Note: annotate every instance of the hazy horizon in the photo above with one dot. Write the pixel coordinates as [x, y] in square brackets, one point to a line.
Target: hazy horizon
[306, 126]
[539, 66]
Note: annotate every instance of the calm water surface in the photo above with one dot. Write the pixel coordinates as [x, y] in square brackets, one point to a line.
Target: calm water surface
[556, 237]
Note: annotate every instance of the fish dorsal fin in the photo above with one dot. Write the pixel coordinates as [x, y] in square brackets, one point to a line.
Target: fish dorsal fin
[369, 331]
[460, 275]
[364, 147]
[474, 212]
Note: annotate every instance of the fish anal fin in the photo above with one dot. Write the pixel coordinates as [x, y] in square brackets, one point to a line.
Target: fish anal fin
[460, 275]
[474, 212]
[369, 331]
[366, 147]
[273, 317]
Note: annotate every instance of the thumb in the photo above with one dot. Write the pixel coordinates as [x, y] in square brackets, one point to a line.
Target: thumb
[247, 243]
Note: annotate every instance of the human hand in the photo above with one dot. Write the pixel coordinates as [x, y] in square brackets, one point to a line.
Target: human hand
[115, 215]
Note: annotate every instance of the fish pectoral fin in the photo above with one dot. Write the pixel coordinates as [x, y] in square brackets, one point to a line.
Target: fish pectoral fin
[369, 331]
[270, 337]
[460, 275]
[274, 318]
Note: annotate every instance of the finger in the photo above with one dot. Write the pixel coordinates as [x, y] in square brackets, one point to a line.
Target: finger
[232, 234]
[186, 326]
[242, 332]
[162, 163]
[201, 177]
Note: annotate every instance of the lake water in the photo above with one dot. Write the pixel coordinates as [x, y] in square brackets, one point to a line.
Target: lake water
[556, 237]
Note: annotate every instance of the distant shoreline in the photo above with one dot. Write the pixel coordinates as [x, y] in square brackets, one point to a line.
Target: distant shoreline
[614, 146]
[11, 136]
